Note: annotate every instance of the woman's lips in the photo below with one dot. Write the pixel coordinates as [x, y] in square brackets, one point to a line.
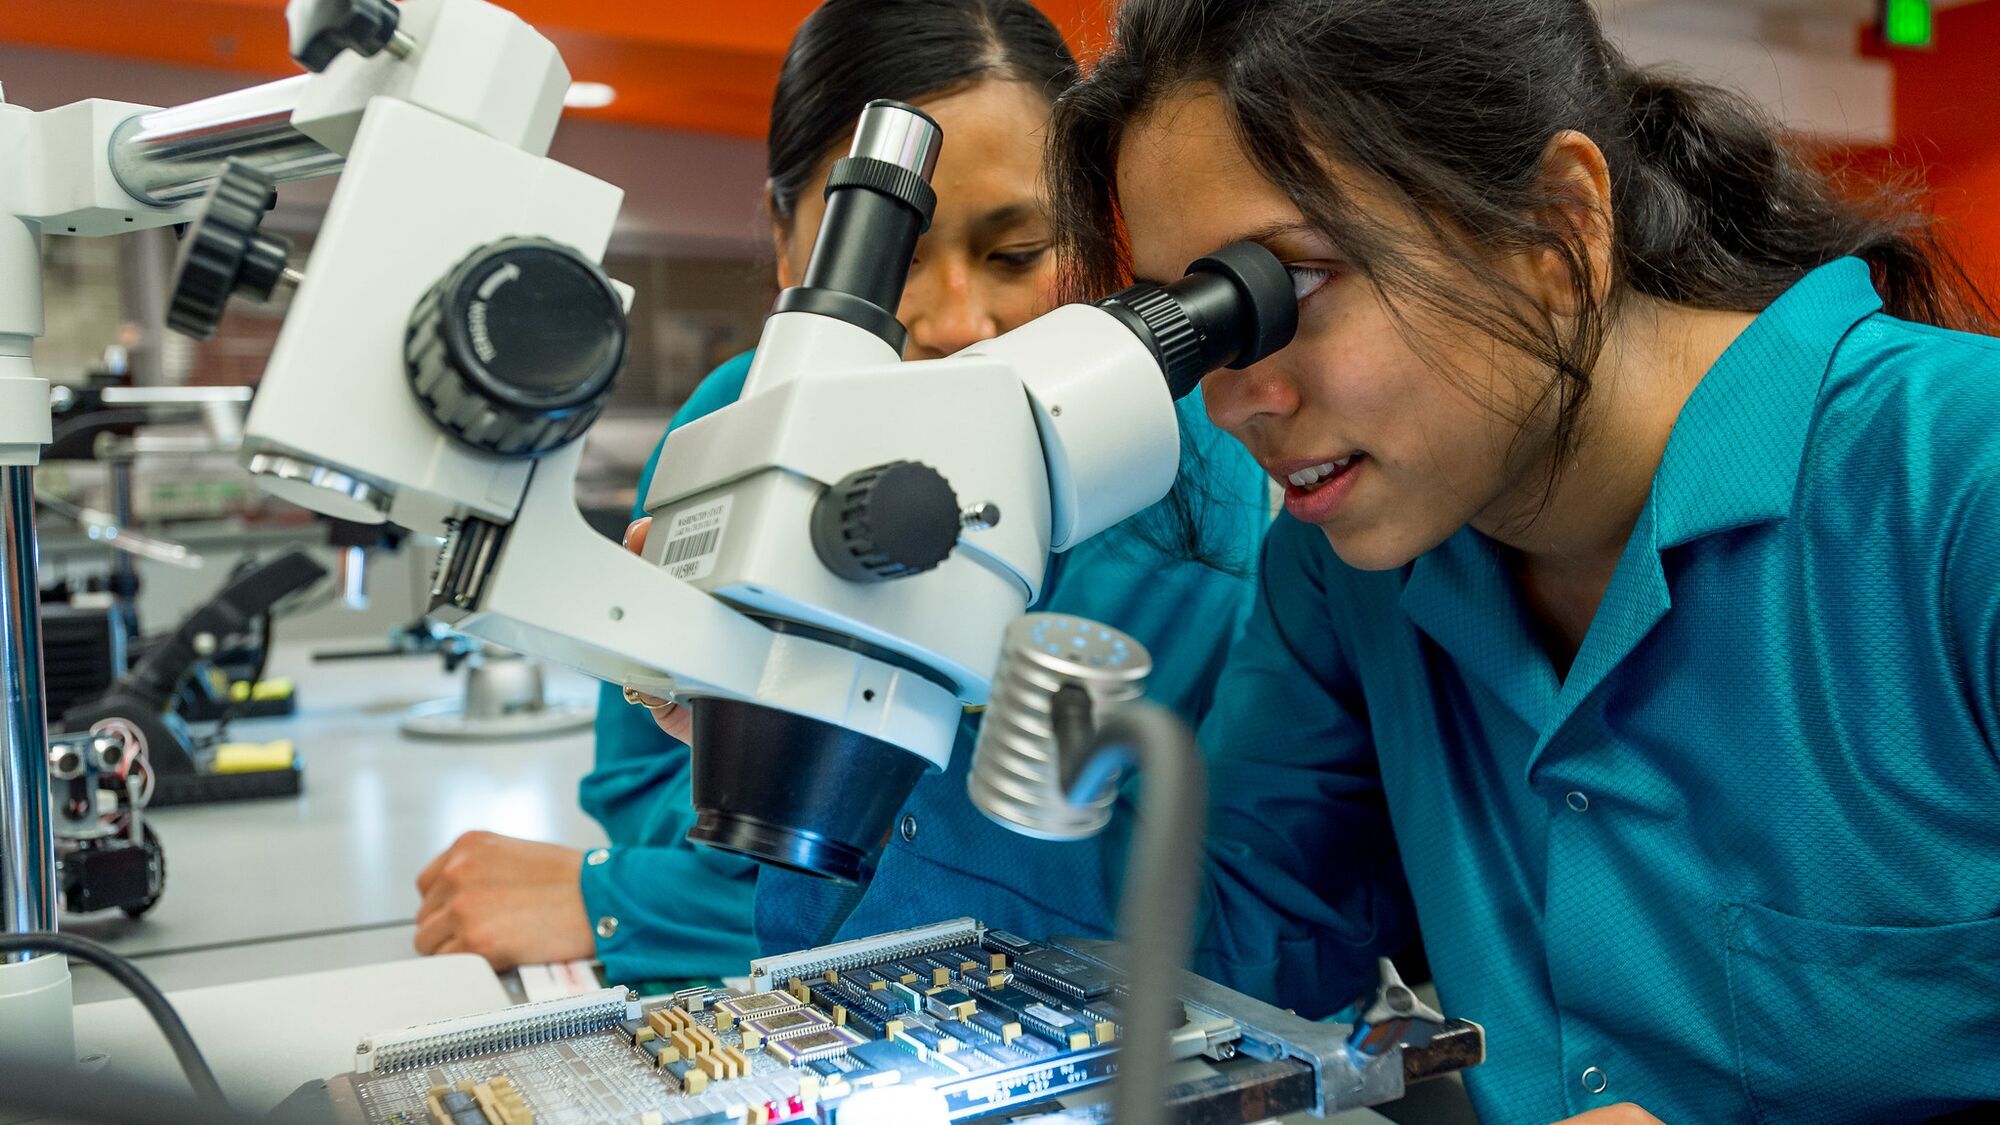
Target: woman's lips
[1330, 484]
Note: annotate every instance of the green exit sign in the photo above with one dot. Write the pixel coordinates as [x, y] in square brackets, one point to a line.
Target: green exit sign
[1906, 23]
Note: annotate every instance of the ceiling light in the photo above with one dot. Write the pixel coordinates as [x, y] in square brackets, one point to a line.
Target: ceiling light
[589, 95]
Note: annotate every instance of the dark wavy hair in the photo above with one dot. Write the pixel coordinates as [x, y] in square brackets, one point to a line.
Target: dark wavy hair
[1449, 106]
[847, 53]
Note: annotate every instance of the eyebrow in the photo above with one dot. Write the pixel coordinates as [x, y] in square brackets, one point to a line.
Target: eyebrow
[1006, 215]
[1262, 235]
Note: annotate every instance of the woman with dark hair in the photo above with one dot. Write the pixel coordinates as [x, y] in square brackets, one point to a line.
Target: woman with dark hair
[659, 907]
[1635, 620]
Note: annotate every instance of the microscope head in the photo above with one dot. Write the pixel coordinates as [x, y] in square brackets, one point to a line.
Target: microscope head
[907, 511]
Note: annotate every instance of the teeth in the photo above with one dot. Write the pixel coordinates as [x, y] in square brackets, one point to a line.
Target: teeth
[1306, 478]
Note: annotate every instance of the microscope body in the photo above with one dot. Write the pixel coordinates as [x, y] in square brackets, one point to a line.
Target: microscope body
[1055, 440]
[837, 556]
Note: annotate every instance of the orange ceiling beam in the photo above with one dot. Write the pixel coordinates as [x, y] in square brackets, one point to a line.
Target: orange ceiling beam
[684, 64]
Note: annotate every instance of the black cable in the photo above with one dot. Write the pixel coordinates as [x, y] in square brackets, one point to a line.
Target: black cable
[149, 996]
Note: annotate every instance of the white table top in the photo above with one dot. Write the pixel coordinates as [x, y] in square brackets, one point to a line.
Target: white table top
[341, 859]
[264, 1038]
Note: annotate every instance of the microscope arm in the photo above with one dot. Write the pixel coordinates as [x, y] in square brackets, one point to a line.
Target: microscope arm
[551, 587]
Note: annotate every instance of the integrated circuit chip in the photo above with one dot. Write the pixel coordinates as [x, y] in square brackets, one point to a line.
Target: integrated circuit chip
[757, 1004]
[1064, 971]
[813, 1046]
[788, 1025]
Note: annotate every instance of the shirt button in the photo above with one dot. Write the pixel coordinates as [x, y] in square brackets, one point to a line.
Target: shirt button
[598, 856]
[1595, 1081]
[909, 829]
[1577, 801]
[606, 926]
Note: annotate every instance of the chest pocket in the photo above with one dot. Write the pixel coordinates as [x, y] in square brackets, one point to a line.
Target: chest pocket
[1841, 1023]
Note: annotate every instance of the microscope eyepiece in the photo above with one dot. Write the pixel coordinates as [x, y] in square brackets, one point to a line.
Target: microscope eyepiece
[1233, 308]
[878, 201]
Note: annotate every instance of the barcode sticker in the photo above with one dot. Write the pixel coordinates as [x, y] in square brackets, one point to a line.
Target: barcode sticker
[694, 540]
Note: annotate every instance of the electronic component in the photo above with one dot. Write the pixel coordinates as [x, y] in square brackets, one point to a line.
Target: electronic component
[883, 1058]
[492, 1102]
[820, 1045]
[928, 1041]
[443, 1040]
[688, 1078]
[996, 1029]
[756, 1004]
[767, 972]
[1064, 971]
[1008, 999]
[1010, 944]
[715, 1058]
[910, 997]
[828, 1000]
[1059, 1028]
[867, 1022]
[1103, 1021]
[785, 1025]
[950, 1004]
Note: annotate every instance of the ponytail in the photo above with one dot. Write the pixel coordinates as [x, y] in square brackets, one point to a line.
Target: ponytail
[1717, 211]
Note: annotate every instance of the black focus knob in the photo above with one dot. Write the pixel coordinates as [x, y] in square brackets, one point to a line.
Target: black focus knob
[321, 29]
[514, 351]
[891, 521]
[223, 253]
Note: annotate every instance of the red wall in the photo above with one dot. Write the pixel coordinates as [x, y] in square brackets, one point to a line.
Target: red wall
[1948, 129]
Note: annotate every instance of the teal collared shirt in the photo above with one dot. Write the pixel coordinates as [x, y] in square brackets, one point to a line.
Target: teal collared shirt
[1743, 862]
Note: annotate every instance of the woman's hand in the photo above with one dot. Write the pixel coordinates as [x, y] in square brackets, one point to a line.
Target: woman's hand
[513, 902]
[670, 716]
[1624, 1113]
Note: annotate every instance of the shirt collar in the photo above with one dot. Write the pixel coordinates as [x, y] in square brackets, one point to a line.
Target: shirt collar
[1733, 458]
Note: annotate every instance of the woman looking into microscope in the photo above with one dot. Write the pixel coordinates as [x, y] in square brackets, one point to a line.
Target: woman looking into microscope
[1635, 618]
[652, 906]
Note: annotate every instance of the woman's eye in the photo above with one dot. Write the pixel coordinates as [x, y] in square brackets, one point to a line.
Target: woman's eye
[1019, 259]
[1307, 280]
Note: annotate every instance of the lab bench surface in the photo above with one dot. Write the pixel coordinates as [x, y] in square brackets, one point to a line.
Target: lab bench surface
[336, 866]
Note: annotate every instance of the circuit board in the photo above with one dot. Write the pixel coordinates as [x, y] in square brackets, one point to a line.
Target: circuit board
[989, 1020]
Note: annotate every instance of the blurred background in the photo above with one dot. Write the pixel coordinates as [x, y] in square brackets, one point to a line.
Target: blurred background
[670, 104]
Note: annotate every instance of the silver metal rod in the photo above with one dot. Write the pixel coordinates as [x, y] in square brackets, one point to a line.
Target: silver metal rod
[172, 154]
[174, 396]
[27, 846]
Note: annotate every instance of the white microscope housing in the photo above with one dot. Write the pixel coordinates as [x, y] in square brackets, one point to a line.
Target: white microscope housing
[834, 558]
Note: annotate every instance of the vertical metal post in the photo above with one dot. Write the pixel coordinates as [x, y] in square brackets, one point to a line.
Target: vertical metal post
[27, 849]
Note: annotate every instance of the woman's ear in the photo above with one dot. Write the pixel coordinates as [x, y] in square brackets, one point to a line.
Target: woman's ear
[1577, 183]
[789, 275]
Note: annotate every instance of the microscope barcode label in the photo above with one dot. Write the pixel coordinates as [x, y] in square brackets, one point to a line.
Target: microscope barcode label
[681, 550]
[694, 540]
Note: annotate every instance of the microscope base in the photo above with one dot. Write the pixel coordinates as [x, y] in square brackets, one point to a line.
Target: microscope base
[35, 1008]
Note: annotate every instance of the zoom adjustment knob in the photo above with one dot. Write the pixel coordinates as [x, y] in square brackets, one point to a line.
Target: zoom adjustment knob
[890, 521]
[515, 350]
[224, 253]
[322, 29]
